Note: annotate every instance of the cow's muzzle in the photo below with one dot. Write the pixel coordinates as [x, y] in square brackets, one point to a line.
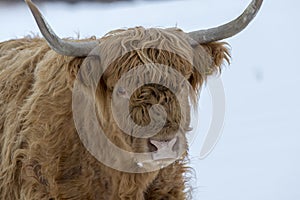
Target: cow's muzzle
[166, 149]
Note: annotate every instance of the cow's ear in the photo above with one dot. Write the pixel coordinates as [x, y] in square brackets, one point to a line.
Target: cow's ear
[209, 58]
[220, 54]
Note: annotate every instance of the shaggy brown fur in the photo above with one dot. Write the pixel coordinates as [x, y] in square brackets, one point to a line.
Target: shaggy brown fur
[41, 155]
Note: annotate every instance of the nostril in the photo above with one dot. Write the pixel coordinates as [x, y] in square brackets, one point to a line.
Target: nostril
[152, 147]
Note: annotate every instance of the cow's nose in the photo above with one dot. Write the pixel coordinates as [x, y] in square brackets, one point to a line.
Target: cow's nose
[165, 149]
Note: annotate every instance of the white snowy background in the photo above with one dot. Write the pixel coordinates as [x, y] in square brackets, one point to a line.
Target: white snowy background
[258, 155]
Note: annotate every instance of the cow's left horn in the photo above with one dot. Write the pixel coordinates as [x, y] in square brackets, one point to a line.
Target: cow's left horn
[227, 30]
[63, 47]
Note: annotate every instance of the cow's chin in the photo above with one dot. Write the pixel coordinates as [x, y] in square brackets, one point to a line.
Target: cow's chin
[156, 163]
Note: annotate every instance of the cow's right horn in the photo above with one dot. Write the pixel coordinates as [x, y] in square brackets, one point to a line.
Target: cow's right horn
[63, 47]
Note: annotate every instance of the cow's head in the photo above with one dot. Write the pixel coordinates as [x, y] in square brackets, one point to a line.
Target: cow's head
[146, 80]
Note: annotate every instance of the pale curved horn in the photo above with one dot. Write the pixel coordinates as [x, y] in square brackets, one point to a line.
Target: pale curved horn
[63, 47]
[227, 30]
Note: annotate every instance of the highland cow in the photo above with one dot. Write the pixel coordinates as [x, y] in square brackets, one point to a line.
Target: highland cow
[44, 155]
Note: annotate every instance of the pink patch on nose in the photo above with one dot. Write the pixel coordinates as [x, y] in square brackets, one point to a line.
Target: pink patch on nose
[164, 149]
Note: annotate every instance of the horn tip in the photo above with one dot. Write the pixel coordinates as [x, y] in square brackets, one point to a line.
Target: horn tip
[29, 3]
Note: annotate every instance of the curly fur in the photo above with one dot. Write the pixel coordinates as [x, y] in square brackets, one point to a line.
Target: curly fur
[41, 155]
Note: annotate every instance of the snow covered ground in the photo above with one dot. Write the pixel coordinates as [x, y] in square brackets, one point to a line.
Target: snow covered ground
[258, 155]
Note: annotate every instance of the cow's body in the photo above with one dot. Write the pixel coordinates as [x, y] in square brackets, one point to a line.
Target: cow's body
[42, 152]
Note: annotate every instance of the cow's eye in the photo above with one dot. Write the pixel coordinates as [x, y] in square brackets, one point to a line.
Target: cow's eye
[121, 91]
